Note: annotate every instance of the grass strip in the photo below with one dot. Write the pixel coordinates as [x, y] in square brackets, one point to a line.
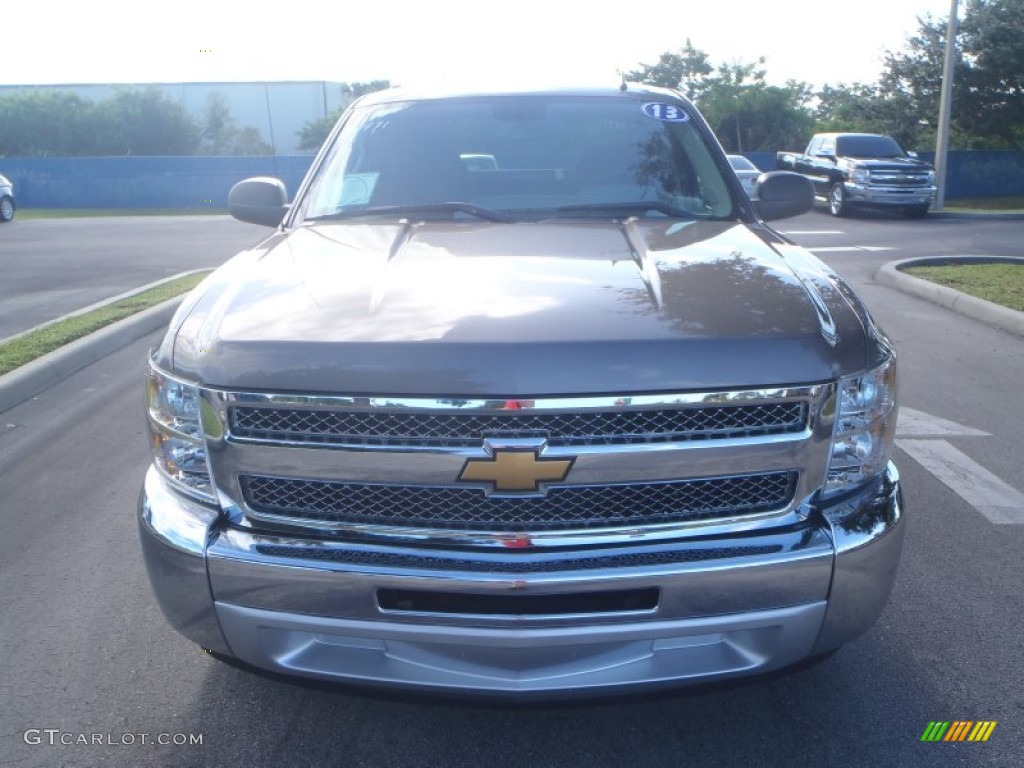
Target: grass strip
[987, 204]
[37, 343]
[999, 283]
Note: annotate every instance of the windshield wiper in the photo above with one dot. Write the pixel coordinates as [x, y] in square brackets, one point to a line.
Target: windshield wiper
[640, 206]
[416, 210]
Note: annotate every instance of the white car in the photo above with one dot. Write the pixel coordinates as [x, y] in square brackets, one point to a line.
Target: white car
[746, 172]
[6, 199]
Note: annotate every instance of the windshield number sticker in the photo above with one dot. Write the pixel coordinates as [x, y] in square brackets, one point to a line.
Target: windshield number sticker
[669, 113]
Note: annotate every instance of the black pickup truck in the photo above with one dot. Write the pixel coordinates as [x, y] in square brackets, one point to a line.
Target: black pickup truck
[862, 169]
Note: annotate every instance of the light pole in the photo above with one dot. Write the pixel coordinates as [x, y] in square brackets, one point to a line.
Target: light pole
[945, 107]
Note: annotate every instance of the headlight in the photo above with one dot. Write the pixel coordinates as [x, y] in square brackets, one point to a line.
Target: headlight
[864, 408]
[860, 176]
[179, 421]
[931, 177]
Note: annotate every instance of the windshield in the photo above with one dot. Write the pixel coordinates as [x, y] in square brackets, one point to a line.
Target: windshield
[520, 158]
[867, 146]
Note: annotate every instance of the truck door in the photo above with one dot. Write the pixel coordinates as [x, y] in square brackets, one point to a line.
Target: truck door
[821, 163]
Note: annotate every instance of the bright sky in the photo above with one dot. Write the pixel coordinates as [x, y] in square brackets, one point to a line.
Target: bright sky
[430, 41]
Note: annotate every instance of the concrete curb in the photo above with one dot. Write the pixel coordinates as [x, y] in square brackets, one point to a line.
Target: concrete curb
[42, 373]
[106, 302]
[985, 311]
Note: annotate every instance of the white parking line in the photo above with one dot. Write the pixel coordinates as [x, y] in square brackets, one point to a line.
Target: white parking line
[999, 502]
[811, 232]
[841, 248]
[913, 423]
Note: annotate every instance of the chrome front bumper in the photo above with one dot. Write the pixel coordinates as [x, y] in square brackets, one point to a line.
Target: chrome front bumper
[858, 193]
[725, 606]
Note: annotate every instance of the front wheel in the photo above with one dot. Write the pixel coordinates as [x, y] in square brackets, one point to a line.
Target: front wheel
[837, 205]
[6, 209]
[915, 211]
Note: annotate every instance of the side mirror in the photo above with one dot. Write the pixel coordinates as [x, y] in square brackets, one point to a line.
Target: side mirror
[261, 200]
[781, 194]
[912, 155]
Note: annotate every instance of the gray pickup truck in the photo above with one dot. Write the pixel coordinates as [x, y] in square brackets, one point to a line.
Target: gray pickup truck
[849, 170]
[522, 398]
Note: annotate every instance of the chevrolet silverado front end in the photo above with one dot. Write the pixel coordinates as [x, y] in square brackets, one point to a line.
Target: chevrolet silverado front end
[537, 427]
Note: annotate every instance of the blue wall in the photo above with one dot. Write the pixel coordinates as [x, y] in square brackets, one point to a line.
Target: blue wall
[203, 182]
[983, 173]
[765, 161]
[141, 182]
[978, 173]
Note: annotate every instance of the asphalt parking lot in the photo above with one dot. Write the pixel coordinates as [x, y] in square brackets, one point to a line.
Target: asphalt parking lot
[54, 266]
[86, 651]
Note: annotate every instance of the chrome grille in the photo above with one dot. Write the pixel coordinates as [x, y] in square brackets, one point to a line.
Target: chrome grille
[596, 427]
[565, 507]
[899, 179]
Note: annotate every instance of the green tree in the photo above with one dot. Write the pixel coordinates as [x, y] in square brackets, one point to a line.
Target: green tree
[912, 80]
[313, 133]
[988, 85]
[218, 128]
[689, 70]
[872, 109]
[992, 96]
[220, 135]
[248, 141]
[139, 122]
[746, 113]
[144, 122]
[47, 123]
[131, 122]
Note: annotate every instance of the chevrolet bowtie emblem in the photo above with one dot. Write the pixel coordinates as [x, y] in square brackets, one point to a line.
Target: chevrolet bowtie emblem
[515, 470]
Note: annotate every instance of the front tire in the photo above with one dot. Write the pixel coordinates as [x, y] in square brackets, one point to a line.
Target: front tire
[837, 204]
[6, 209]
[915, 211]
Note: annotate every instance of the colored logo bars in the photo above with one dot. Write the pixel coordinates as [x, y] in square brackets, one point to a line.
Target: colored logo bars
[958, 730]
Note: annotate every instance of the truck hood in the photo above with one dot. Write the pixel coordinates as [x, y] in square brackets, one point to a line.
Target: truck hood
[485, 309]
[887, 163]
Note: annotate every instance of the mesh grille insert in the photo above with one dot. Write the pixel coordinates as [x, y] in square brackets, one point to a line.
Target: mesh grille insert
[898, 179]
[387, 427]
[567, 507]
[505, 564]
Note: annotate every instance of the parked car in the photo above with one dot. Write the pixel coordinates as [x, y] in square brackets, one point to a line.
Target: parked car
[746, 172]
[522, 398]
[6, 199]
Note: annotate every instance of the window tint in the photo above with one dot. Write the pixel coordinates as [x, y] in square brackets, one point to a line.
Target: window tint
[518, 154]
[869, 146]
